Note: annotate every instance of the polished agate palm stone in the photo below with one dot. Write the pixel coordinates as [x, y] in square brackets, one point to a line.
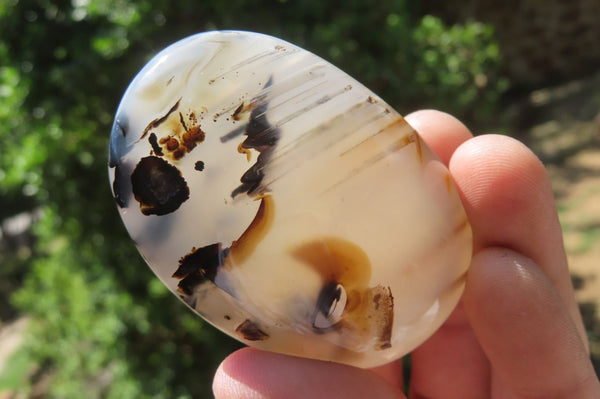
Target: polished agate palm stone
[285, 203]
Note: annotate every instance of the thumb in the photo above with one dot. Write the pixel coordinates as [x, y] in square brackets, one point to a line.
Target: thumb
[525, 329]
[254, 374]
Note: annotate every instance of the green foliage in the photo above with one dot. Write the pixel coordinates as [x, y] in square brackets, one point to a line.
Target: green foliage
[103, 326]
[457, 67]
[13, 377]
[96, 336]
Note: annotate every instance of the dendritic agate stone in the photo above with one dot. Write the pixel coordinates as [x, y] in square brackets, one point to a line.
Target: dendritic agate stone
[285, 203]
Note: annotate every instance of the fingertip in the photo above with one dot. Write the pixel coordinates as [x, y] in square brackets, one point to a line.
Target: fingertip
[509, 201]
[231, 381]
[507, 196]
[492, 168]
[251, 373]
[442, 132]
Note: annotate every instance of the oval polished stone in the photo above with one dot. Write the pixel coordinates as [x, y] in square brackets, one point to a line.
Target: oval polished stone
[285, 203]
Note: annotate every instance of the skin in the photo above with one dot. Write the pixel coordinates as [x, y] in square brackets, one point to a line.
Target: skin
[517, 332]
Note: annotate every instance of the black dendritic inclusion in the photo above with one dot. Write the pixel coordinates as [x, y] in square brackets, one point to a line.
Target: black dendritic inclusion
[328, 298]
[158, 186]
[199, 266]
[117, 144]
[199, 166]
[116, 148]
[120, 190]
[262, 137]
[154, 143]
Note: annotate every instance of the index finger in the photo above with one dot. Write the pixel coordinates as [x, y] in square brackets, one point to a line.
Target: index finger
[451, 363]
[508, 198]
[442, 132]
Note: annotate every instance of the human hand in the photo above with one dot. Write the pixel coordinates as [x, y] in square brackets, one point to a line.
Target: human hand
[517, 332]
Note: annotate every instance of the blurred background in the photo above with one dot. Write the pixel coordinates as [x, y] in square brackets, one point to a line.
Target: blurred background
[80, 313]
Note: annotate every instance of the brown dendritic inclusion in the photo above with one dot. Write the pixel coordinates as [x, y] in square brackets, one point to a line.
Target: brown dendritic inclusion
[285, 203]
